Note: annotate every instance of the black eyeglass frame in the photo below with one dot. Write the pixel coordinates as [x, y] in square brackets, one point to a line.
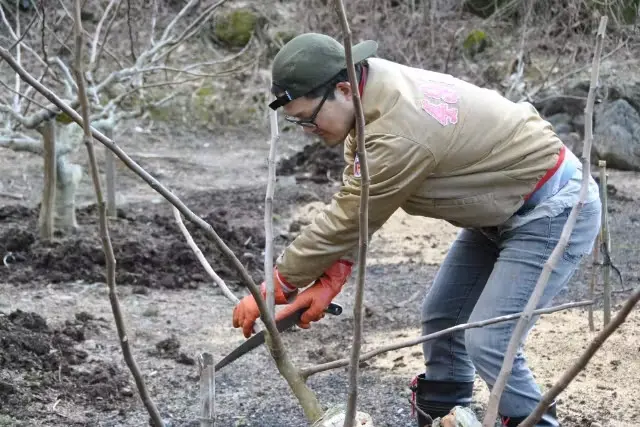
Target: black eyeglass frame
[311, 121]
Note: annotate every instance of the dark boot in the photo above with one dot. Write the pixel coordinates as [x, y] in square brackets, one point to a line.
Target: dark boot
[437, 398]
[549, 419]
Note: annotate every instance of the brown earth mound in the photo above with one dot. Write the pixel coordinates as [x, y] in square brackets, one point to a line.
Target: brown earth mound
[149, 248]
[39, 364]
[316, 162]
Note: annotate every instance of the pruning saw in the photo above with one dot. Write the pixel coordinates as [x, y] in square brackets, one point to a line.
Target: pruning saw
[258, 339]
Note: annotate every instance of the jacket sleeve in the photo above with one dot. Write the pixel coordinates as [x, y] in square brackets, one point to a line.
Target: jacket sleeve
[397, 166]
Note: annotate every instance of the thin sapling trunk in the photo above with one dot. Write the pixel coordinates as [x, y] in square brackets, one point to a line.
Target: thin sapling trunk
[268, 213]
[582, 362]
[520, 328]
[311, 406]
[354, 365]
[156, 419]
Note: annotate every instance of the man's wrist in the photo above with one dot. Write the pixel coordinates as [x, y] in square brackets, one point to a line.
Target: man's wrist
[287, 288]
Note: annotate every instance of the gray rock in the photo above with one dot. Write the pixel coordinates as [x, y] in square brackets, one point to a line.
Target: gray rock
[578, 124]
[573, 142]
[563, 128]
[629, 91]
[616, 135]
[560, 119]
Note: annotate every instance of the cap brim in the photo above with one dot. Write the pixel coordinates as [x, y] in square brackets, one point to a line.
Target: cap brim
[359, 52]
[364, 50]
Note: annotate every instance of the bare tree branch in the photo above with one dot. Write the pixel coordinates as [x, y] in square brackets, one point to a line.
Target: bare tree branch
[306, 397]
[312, 370]
[15, 37]
[582, 362]
[107, 31]
[18, 94]
[69, 83]
[203, 261]
[520, 328]
[10, 111]
[27, 93]
[16, 98]
[354, 365]
[96, 36]
[104, 229]
[268, 213]
[186, 34]
[25, 32]
[86, 33]
[21, 143]
[129, 27]
[154, 19]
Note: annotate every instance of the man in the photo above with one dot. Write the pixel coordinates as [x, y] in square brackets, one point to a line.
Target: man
[442, 148]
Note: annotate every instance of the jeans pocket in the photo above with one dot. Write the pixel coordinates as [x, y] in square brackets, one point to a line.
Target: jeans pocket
[584, 233]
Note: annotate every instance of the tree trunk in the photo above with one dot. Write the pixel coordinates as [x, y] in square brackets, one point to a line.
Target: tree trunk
[47, 204]
[69, 176]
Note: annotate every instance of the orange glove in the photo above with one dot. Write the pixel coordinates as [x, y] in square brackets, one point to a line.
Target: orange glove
[246, 312]
[318, 296]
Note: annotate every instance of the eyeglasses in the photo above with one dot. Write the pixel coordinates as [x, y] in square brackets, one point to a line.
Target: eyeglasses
[311, 121]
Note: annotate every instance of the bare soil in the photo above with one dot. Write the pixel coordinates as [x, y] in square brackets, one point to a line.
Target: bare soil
[60, 358]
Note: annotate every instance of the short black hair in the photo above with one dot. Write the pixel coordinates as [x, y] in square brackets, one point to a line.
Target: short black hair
[319, 92]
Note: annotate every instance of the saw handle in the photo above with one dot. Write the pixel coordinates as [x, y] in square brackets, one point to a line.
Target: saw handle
[335, 309]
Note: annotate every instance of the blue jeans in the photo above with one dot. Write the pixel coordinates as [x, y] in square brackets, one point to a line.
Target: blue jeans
[489, 273]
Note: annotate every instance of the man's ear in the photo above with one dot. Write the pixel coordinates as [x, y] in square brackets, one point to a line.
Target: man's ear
[345, 89]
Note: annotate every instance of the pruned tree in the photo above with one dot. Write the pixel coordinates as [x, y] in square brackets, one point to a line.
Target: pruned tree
[119, 87]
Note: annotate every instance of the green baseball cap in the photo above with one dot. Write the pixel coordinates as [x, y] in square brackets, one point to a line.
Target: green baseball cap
[309, 61]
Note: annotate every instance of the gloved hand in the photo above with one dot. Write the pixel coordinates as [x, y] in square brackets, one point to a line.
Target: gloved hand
[318, 296]
[246, 312]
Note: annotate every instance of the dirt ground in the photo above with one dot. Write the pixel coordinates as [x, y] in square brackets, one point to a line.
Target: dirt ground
[60, 358]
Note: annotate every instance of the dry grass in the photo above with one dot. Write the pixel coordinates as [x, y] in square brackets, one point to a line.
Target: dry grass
[557, 35]
[554, 42]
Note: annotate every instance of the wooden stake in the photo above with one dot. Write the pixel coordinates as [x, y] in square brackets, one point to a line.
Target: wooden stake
[594, 278]
[606, 268]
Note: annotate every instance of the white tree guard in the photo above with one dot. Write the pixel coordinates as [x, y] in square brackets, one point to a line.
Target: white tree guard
[334, 417]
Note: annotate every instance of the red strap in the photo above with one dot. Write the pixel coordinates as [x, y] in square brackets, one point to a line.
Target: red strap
[549, 173]
[363, 79]
[414, 382]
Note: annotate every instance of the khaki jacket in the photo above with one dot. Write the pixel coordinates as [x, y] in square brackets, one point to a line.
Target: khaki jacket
[436, 146]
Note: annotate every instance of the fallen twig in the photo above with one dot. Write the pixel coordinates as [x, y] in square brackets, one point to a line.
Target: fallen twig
[354, 365]
[520, 328]
[11, 195]
[307, 372]
[574, 370]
